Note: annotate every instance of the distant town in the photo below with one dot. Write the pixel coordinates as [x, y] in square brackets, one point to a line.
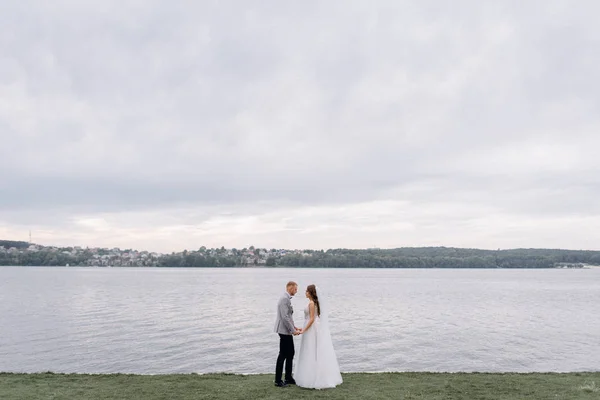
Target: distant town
[23, 253]
[15, 253]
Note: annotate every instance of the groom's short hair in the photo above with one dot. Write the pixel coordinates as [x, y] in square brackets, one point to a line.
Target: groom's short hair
[290, 284]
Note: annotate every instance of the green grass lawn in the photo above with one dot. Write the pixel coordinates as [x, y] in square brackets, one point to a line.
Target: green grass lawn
[409, 385]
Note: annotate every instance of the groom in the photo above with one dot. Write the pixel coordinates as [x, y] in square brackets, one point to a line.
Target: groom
[284, 326]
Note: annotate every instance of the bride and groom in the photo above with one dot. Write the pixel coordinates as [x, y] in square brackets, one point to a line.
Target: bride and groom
[317, 365]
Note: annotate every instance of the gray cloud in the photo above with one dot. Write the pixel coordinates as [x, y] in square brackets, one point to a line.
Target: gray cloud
[270, 118]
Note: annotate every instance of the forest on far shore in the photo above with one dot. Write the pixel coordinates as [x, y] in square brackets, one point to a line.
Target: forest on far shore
[26, 254]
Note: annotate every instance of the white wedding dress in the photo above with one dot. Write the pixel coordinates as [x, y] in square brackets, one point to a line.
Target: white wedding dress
[317, 366]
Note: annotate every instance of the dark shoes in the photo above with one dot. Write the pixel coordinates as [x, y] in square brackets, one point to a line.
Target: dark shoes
[285, 383]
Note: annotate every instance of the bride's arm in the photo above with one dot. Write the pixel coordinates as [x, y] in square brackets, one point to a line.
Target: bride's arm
[311, 309]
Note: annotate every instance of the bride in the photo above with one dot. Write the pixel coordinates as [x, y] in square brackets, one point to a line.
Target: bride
[317, 366]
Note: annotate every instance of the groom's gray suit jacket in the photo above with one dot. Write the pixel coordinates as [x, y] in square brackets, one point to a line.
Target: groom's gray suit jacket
[284, 323]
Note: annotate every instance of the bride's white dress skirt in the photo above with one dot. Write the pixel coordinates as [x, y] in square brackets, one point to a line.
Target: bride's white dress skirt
[317, 366]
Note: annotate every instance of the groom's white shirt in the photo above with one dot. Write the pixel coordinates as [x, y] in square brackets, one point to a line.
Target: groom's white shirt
[284, 323]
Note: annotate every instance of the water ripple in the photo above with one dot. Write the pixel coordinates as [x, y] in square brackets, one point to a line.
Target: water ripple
[192, 320]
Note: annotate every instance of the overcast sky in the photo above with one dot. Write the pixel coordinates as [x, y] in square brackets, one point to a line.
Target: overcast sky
[165, 125]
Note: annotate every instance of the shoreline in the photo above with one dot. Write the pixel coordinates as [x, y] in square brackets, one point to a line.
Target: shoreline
[295, 267]
[369, 385]
[225, 373]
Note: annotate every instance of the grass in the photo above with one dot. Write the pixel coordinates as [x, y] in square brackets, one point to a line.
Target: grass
[590, 387]
[406, 385]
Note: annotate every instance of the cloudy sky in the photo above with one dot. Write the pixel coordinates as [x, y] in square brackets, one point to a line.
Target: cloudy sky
[165, 125]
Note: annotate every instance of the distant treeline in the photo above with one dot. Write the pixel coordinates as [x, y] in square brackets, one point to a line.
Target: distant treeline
[441, 257]
[7, 244]
[409, 257]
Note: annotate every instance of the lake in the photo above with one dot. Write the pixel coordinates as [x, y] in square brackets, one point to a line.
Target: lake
[151, 320]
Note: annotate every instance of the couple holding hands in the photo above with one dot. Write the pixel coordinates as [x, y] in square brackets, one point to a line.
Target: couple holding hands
[317, 366]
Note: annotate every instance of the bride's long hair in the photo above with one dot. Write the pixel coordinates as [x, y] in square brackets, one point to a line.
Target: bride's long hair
[312, 291]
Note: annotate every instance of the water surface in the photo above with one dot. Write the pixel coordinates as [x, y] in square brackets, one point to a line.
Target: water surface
[150, 320]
